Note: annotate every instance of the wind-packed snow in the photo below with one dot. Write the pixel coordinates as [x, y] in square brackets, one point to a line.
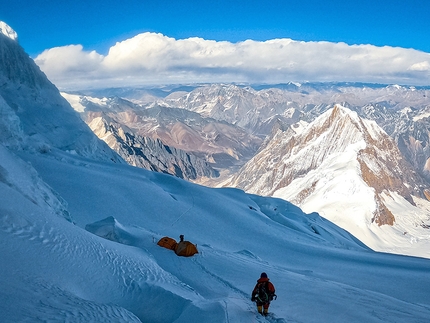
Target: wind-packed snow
[55, 270]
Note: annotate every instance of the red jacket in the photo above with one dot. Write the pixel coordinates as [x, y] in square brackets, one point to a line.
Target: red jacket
[270, 287]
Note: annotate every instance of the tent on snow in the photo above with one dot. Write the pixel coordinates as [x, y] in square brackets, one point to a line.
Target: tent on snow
[167, 242]
[181, 248]
[185, 249]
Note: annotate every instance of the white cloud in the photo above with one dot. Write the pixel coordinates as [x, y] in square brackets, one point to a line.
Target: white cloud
[63, 63]
[151, 58]
[422, 66]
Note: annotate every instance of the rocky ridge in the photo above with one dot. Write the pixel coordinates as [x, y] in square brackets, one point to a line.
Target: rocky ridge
[145, 152]
[210, 143]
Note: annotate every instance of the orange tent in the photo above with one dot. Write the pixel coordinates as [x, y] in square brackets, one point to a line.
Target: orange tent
[185, 249]
[167, 242]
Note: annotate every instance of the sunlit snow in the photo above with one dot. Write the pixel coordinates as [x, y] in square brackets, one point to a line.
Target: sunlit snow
[56, 270]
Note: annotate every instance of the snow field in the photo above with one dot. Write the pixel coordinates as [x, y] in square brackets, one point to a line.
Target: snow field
[58, 271]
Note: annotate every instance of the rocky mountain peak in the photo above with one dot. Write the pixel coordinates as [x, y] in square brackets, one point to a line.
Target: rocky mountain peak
[335, 157]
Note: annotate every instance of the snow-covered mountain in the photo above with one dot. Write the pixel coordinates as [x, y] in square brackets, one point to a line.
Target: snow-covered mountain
[34, 115]
[244, 107]
[410, 128]
[401, 111]
[53, 270]
[350, 171]
[250, 106]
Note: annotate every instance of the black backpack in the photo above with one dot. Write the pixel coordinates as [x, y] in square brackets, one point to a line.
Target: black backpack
[263, 294]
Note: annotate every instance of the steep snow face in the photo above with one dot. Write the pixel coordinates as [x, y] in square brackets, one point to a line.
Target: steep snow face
[347, 169]
[11, 134]
[23, 180]
[6, 30]
[34, 115]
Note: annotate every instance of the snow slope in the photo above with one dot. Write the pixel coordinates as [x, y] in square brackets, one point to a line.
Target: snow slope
[54, 270]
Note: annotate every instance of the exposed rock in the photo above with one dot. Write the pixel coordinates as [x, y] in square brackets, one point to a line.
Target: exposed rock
[218, 143]
[150, 154]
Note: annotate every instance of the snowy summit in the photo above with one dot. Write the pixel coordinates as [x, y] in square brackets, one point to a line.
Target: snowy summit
[5, 29]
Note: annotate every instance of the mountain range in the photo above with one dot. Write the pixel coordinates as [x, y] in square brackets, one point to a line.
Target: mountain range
[400, 111]
[381, 138]
[214, 143]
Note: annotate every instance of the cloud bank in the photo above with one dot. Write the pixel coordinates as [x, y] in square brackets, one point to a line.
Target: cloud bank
[152, 58]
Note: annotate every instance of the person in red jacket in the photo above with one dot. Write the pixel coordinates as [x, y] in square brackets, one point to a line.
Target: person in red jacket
[263, 293]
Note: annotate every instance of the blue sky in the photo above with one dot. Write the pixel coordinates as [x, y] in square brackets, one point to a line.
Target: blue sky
[332, 40]
[99, 24]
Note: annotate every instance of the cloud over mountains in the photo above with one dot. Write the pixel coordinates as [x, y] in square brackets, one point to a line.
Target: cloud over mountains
[152, 58]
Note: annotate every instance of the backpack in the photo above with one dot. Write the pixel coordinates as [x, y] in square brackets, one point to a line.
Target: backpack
[263, 292]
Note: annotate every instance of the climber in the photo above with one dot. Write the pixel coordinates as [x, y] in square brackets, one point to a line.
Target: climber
[263, 294]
